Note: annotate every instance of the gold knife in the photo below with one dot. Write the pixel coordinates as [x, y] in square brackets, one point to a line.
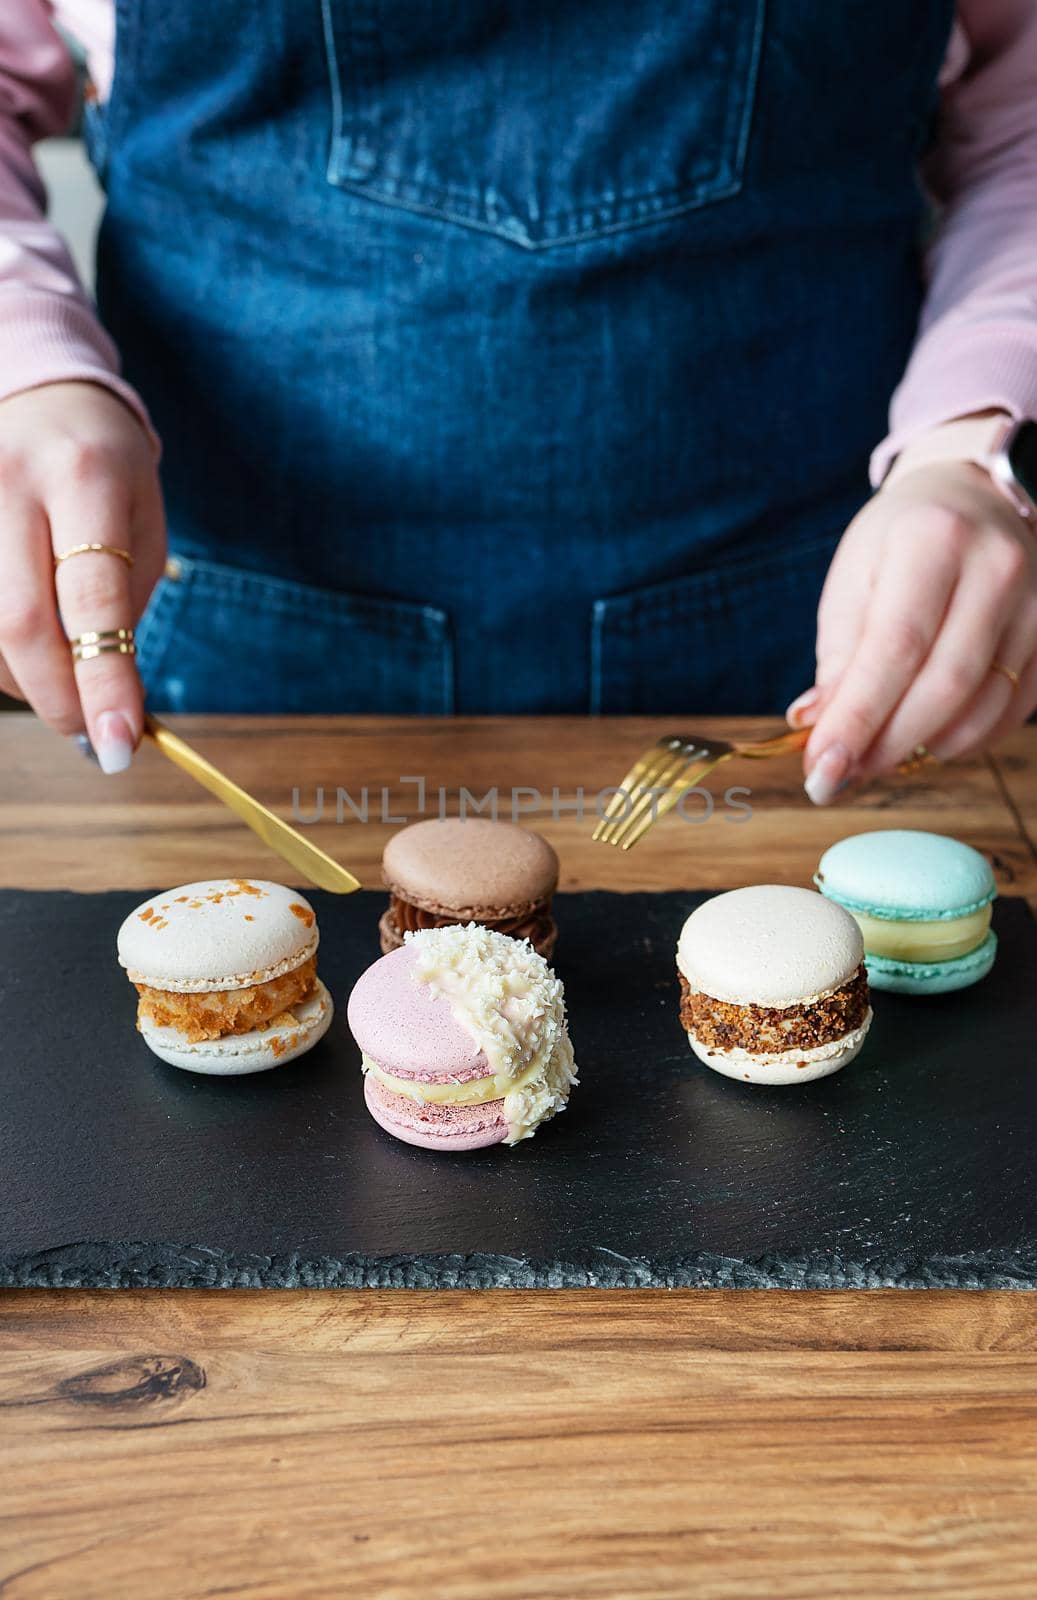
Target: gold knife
[305, 857]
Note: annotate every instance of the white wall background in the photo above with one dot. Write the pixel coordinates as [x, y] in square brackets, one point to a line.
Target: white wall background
[75, 198]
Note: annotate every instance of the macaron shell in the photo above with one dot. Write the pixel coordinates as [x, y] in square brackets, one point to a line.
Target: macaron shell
[937, 977]
[470, 867]
[905, 874]
[449, 1128]
[783, 1070]
[222, 933]
[240, 1053]
[408, 1030]
[769, 945]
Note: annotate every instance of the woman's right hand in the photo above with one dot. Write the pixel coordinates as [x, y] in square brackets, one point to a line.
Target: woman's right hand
[76, 467]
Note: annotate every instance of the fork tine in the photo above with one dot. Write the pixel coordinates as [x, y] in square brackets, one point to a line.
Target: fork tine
[633, 777]
[628, 835]
[659, 777]
[641, 799]
[667, 767]
[645, 766]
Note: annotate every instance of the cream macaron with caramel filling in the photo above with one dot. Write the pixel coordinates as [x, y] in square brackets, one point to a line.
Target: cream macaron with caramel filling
[773, 985]
[226, 975]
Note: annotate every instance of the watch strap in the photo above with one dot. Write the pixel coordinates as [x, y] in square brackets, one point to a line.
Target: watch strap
[974, 439]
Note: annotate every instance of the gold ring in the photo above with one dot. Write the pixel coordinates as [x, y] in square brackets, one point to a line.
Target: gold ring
[110, 641]
[921, 756]
[87, 652]
[1006, 672]
[94, 549]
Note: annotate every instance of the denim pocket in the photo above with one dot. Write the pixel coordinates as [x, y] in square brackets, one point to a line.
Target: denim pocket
[725, 641]
[219, 638]
[545, 122]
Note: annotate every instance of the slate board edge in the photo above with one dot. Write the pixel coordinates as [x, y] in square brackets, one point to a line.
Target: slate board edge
[136, 1265]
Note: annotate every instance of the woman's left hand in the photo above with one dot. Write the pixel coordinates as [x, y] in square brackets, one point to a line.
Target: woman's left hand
[931, 593]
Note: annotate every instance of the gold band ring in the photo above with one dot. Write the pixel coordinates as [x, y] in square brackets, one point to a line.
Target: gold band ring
[1006, 672]
[87, 652]
[921, 756]
[94, 549]
[109, 642]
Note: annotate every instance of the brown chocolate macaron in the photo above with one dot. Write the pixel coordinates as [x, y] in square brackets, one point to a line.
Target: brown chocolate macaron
[469, 869]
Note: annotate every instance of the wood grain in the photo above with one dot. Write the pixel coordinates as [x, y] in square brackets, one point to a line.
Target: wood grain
[518, 1445]
[1015, 770]
[62, 824]
[501, 1446]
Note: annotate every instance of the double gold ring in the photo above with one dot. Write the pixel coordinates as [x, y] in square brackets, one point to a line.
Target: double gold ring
[1006, 672]
[94, 549]
[110, 642]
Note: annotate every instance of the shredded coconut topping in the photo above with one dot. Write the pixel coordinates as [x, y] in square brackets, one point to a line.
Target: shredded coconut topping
[507, 997]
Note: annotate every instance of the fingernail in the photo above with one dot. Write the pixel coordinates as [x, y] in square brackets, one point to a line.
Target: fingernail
[798, 713]
[113, 742]
[828, 775]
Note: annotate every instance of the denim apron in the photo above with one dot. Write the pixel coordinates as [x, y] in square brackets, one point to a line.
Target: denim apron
[509, 355]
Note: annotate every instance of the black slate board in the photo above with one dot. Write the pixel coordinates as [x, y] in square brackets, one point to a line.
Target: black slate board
[914, 1167]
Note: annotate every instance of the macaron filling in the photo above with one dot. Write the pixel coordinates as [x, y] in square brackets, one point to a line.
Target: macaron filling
[469, 1092]
[282, 1039]
[764, 1030]
[943, 940]
[535, 923]
[215, 1013]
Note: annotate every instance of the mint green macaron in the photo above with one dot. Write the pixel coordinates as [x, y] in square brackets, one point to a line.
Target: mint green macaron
[923, 904]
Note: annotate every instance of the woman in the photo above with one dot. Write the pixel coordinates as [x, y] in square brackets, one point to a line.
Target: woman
[528, 358]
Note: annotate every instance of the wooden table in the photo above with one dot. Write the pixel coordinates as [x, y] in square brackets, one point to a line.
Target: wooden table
[482, 1446]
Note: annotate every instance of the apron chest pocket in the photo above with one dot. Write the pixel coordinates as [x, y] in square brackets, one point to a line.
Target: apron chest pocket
[219, 638]
[545, 122]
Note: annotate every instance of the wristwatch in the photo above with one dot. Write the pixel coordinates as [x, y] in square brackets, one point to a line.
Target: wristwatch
[1002, 447]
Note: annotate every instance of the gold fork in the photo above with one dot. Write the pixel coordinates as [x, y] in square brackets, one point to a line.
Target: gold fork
[667, 769]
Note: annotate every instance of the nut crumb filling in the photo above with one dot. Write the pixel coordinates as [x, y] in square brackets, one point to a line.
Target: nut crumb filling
[763, 1030]
[215, 1013]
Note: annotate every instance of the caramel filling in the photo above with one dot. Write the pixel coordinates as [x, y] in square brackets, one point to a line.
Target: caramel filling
[217, 1012]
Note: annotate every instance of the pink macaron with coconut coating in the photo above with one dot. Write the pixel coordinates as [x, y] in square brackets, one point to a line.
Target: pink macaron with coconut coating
[463, 1039]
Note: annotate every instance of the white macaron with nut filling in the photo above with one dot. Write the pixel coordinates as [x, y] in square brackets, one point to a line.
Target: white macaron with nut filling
[226, 974]
[773, 986]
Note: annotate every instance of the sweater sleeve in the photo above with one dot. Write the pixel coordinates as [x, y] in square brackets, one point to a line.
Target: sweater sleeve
[977, 341]
[49, 331]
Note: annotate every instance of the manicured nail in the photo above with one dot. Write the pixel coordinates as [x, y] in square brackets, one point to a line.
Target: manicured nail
[113, 742]
[798, 713]
[828, 775]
